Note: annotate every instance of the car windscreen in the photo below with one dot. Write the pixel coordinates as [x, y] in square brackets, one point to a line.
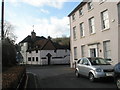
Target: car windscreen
[98, 61]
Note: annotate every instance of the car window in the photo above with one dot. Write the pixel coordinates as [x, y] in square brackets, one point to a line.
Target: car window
[98, 61]
[85, 61]
[78, 61]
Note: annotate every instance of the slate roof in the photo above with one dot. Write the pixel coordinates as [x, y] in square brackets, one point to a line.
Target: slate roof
[28, 39]
[79, 6]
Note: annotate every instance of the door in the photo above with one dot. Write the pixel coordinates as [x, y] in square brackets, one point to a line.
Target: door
[92, 52]
[49, 58]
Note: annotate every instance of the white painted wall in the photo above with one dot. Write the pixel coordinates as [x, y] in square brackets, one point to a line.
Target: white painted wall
[42, 54]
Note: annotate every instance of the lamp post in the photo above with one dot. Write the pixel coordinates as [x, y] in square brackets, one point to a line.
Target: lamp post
[2, 20]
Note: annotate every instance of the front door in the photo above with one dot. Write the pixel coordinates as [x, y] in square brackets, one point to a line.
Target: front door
[49, 58]
[92, 52]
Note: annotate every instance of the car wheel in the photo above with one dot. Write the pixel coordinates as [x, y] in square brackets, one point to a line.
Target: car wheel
[91, 77]
[77, 74]
[118, 83]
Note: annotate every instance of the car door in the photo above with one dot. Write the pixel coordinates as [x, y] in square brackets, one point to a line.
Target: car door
[85, 66]
[81, 67]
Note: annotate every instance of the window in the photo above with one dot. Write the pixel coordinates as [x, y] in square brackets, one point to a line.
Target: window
[80, 12]
[85, 61]
[73, 17]
[32, 58]
[37, 59]
[36, 51]
[74, 32]
[75, 53]
[92, 25]
[119, 13]
[90, 5]
[102, 1]
[107, 50]
[105, 19]
[82, 29]
[29, 58]
[83, 50]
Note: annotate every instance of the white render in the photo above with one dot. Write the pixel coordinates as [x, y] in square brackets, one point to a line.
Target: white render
[96, 40]
[43, 53]
[24, 47]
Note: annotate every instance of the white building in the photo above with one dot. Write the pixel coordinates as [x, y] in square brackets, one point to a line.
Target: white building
[41, 51]
[95, 30]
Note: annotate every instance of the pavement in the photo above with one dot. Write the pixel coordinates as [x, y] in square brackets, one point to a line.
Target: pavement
[61, 76]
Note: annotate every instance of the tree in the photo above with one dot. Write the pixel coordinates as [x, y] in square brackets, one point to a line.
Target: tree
[64, 41]
[8, 47]
[9, 31]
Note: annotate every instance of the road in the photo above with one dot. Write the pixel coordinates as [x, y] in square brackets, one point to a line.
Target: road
[61, 76]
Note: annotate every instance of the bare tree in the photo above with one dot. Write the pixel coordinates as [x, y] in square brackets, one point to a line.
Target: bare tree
[9, 31]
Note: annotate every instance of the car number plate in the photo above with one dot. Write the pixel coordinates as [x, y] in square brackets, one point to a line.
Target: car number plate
[109, 74]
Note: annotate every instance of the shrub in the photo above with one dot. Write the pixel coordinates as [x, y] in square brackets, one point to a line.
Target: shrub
[12, 77]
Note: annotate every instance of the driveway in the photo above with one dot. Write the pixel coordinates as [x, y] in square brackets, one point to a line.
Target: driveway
[61, 76]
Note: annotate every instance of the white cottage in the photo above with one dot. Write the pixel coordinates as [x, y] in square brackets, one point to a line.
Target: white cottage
[41, 51]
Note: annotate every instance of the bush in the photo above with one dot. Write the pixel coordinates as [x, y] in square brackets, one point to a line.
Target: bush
[8, 53]
[12, 77]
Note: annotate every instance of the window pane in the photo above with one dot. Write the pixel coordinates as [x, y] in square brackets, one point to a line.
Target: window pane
[75, 52]
[107, 50]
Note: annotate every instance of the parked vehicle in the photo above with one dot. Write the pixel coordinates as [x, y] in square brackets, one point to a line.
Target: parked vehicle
[94, 68]
[117, 75]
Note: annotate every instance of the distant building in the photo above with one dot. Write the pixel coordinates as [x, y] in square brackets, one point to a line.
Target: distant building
[41, 51]
[95, 30]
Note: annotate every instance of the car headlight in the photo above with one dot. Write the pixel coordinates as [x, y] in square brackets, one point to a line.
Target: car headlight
[98, 70]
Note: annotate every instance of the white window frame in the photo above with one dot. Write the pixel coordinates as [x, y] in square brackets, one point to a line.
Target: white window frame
[75, 53]
[90, 5]
[83, 51]
[80, 12]
[73, 17]
[107, 49]
[105, 20]
[92, 25]
[118, 5]
[74, 33]
[82, 32]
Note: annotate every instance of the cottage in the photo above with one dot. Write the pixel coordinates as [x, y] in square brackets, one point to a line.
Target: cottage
[41, 51]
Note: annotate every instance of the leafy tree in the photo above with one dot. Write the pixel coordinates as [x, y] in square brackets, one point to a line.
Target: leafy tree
[64, 41]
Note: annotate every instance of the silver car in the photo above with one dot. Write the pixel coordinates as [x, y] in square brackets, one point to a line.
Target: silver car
[94, 68]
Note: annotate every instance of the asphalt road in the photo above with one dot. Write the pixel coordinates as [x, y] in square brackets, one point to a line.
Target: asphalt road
[61, 76]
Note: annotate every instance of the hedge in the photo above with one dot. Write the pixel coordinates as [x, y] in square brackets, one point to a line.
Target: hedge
[12, 77]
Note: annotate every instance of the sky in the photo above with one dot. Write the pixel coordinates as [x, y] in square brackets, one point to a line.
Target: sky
[49, 17]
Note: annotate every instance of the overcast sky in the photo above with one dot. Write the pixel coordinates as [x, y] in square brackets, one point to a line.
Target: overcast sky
[49, 17]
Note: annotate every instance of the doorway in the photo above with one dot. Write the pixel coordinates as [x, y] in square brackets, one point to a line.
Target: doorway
[49, 58]
[93, 52]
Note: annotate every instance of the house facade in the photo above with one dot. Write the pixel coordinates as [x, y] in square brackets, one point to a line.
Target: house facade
[95, 30]
[42, 51]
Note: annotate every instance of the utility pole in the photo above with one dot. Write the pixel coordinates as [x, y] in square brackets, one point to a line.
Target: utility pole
[2, 20]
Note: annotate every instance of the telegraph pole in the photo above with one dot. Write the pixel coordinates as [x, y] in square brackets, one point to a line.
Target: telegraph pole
[2, 20]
